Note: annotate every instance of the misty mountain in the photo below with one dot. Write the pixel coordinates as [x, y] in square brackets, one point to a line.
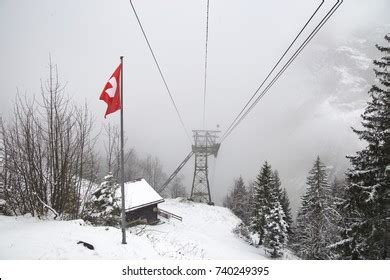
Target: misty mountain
[341, 75]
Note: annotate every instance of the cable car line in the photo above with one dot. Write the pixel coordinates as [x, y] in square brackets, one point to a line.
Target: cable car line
[287, 64]
[161, 73]
[276, 65]
[205, 65]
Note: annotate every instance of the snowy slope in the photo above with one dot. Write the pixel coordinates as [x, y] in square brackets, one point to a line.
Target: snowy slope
[205, 233]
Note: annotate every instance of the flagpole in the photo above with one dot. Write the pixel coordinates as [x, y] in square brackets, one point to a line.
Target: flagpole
[122, 164]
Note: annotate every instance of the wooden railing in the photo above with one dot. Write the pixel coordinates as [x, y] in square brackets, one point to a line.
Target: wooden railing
[168, 215]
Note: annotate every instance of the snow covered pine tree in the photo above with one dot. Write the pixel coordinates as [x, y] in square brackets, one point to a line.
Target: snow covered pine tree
[314, 230]
[237, 200]
[268, 217]
[276, 228]
[366, 234]
[260, 198]
[284, 202]
[104, 207]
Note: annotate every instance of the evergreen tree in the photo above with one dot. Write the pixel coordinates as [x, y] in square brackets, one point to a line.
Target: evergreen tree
[104, 207]
[367, 192]
[239, 200]
[268, 219]
[338, 190]
[277, 183]
[275, 234]
[261, 198]
[285, 203]
[338, 203]
[315, 217]
[251, 195]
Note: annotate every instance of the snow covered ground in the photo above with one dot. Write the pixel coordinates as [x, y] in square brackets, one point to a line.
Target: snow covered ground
[204, 233]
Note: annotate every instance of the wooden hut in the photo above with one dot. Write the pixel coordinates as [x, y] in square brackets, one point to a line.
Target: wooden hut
[141, 202]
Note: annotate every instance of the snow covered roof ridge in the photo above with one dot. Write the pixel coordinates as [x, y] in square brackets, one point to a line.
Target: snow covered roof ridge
[138, 194]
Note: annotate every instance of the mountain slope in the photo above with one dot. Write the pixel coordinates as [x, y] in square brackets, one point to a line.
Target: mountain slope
[205, 233]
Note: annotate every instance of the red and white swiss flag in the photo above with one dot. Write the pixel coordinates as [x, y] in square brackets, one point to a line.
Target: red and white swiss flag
[111, 92]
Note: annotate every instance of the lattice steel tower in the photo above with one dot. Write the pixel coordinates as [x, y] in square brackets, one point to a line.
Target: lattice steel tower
[205, 144]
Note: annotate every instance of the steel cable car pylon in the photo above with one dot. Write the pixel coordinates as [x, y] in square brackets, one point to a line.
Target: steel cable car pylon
[205, 145]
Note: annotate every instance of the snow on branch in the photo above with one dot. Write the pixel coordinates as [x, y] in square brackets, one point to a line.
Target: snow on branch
[48, 207]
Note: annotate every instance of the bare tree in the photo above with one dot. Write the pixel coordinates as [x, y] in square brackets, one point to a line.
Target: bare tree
[177, 188]
[112, 147]
[152, 171]
[49, 151]
[113, 153]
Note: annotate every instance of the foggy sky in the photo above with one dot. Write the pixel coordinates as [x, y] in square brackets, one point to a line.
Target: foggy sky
[296, 121]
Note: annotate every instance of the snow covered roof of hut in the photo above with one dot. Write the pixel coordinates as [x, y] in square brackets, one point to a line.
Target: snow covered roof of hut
[139, 194]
